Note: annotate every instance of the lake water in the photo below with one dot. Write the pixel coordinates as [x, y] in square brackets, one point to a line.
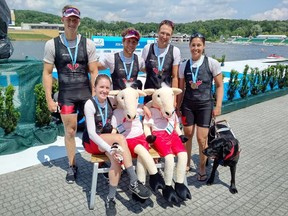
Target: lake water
[233, 52]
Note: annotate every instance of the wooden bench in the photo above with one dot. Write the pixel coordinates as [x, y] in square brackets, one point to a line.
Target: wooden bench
[97, 159]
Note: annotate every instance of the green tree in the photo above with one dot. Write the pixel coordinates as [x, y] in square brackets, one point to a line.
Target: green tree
[9, 115]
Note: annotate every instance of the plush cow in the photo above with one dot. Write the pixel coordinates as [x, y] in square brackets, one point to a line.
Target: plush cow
[163, 130]
[126, 119]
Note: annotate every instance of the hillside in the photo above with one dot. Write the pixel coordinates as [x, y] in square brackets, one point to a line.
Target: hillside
[213, 29]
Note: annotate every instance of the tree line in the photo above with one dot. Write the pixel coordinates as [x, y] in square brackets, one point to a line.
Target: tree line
[212, 29]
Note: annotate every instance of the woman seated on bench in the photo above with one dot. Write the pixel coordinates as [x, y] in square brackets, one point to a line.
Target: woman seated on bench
[97, 139]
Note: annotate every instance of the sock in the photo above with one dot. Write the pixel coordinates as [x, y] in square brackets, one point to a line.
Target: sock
[132, 175]
[112, 192]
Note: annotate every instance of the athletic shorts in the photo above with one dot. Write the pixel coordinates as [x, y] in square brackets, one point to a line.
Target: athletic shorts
[92, 148]
[133, 142]
[168, 144]
[72, 108]
[199, 114]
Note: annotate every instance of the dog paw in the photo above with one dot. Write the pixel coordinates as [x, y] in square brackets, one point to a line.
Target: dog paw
[233, 190]
[209, 181]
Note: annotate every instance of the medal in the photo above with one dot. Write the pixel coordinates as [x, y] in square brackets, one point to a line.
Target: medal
[194, 85]
[194, 76]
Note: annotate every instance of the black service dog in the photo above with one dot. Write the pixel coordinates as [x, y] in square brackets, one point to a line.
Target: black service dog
[223, 147]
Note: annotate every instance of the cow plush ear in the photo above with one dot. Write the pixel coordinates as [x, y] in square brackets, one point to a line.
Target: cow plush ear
[141, 93]
[177, 91]
[114, 92]
[149, 91]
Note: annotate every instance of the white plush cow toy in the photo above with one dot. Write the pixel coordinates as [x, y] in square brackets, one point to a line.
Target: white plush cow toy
[126, 119]
[163, 130]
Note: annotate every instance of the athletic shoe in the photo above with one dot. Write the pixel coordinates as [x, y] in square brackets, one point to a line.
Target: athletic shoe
[71, 174]
[110, 207]
[140, 190]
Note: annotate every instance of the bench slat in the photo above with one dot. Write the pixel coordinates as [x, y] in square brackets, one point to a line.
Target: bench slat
[104, 158]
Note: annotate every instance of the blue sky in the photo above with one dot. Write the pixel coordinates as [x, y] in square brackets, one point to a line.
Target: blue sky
[179, 11]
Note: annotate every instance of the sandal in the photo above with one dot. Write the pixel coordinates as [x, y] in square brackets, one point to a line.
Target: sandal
[201, 178]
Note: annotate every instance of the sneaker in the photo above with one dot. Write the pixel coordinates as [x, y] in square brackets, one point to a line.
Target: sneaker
[140, 190]
[110, 207]
[71, 174]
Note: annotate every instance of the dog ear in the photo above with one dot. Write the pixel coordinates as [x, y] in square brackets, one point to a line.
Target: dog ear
[227, 146]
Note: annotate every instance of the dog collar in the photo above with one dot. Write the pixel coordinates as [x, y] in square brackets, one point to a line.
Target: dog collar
[230, 154]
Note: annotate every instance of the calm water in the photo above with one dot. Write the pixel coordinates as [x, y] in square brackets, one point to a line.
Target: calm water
[232, 52]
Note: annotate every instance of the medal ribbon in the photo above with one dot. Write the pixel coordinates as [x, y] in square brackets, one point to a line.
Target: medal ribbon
[128, 75]
[194, 76]
[103, 118]
[157, 52]
[69, 50]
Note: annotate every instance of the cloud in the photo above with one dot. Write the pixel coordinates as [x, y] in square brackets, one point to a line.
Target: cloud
[274, 14]
[179, 11]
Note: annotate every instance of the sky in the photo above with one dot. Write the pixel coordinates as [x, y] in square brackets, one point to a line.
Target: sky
[179, 11]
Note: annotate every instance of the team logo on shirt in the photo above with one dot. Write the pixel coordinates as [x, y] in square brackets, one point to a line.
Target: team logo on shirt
[157, 72]
[73, 67]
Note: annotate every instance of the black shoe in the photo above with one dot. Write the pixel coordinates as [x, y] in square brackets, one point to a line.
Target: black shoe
[71, 174]
[110, 207]
[140, 190]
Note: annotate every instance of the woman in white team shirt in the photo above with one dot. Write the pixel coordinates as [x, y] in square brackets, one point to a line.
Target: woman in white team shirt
[196, 76]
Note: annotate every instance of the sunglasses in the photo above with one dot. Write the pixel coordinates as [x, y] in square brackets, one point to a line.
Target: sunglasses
[197, 35]
[167, 22]
[71, 10]
[132, 33]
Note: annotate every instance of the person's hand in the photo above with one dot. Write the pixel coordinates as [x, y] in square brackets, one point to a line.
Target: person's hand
[216, 112]
[52, 106]
[116, 152]
[178, 113]
[151, 138]
[183, 138]
[147, 112]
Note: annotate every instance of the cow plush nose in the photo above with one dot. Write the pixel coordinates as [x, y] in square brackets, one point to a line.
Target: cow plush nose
[131, 118]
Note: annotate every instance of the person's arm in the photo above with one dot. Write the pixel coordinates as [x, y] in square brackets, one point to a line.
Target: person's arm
[175, 76]
[100, 66]
[93, 68]
[92, 62]
[89, 111]
[47, 84]
[219, 94]
[180, 96]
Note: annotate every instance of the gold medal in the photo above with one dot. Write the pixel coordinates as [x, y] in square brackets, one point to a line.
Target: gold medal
[194, 85]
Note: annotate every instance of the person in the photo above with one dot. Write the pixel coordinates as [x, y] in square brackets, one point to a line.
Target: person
[161, 59]
[98, 139]
[124, 65]
[196, 76]
[74, 56]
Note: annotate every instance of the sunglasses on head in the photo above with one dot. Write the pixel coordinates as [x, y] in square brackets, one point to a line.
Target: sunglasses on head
[167, 22]
[133, 32]
[71, 10]
[197, 34]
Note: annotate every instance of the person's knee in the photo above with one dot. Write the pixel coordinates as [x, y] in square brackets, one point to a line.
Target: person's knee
[70, 132]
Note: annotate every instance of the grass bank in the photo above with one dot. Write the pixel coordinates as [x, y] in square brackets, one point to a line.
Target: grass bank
[32, 37]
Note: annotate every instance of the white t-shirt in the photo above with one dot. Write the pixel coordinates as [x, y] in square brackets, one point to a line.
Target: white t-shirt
[129, 129]
[108, 61]
[162, 52]
[214, 66]
[49, 50]
[159, 123]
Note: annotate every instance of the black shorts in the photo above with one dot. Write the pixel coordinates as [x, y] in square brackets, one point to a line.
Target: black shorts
[196, 113]
[71, 108]
[73, 101]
